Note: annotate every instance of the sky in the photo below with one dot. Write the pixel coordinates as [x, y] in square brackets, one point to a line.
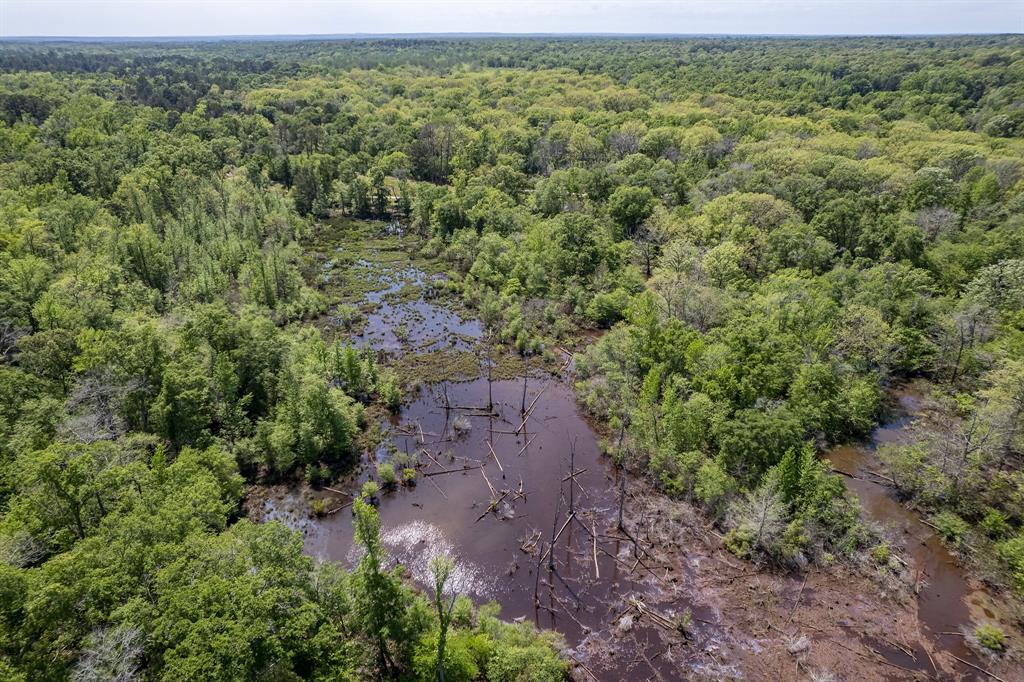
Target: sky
[320, 17]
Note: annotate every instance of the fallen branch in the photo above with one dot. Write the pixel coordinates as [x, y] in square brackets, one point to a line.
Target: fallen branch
[495, 456]
[537, 397]
[431, 457]
[979, 669]
[449, 471]
[574, 474]
[643, 610]
[796, 604]
[586, 670]
[523, 449]
[877, 658]
[493, 506]
[882, 476]
[494, 493]
[555, 539]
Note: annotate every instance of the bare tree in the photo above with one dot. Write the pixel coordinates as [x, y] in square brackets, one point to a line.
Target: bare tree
[937, 221]
[93, 408]
[761, 515]
[971, 325]
[22, 549]
[623, 143]
[9, 335]
[110, 655]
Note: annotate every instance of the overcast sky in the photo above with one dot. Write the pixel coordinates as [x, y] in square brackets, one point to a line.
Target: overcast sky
[266, 17]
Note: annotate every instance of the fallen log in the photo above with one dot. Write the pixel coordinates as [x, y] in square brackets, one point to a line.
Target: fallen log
[338, 509]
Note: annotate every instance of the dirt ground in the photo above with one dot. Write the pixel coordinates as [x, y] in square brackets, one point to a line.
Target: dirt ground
[842, 622]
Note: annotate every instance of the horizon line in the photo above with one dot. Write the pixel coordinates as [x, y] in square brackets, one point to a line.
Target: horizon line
[488, 34]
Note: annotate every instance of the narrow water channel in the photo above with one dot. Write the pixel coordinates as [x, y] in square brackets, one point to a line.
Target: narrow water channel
[945, 595]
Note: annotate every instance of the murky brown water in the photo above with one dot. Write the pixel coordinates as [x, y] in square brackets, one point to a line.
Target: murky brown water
[944, 590]
[501, 551]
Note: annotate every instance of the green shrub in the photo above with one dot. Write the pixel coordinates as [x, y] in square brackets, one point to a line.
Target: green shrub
[386, 474]
[1012, 552]
[881, 553]
[950, 526]
[676, 471]
[462, 612]
[409, 476]
[713, 484]
[996, 524]
[536, 663]
[990, 637]
[389, 392]
[369, 490]
[463, 652]
[740, 541]
[605, 309]
[346, 315]
[317, 474]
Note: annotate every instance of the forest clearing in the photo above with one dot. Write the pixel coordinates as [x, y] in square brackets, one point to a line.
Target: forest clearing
[665, 602]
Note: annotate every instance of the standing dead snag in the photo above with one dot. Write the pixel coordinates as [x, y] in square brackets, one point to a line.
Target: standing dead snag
[545, 554]
[622, 496]
[572, 475]
[523, 408]
[528, 410]
[622, 500]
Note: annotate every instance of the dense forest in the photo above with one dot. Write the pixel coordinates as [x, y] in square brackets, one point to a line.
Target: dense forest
[749, 241]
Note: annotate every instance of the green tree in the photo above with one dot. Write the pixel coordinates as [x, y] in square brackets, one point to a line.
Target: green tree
[629, 207]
